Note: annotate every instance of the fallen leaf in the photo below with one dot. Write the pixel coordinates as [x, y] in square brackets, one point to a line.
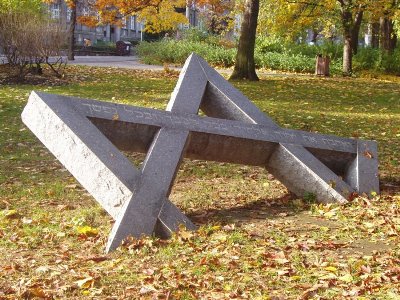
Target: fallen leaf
[38, 292]
[368, 154]
[148, 272]
[87, 230]
[331, 269]
[42, 269]
[147, 289]
[365, 269]
[185, 235]
[97, 258]
[12, 214]
[85, 283]
[346, 278]
[309, 293]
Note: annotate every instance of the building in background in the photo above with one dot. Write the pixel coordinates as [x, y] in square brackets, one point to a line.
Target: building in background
[130, 30]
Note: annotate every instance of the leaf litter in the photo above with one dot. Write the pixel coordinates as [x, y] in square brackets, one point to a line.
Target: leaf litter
[254, 241]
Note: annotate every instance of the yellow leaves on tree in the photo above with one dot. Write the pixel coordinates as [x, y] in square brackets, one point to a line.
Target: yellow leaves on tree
[158, 15]
[163, 17]
[290, 18]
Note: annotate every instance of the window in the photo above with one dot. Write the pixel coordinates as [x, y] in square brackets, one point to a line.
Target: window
[69, 12]
[55, 11]
[86, 11]
[133, 22]
[123, 22]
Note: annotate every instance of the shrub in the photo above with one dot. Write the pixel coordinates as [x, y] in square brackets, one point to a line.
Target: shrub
[275, 44]
[194, 35]
[270, 44]
[29, 40]
[366, 59]
[376, 60]
[270, 53]
[285, 62]
[391, 63]
[176, 52]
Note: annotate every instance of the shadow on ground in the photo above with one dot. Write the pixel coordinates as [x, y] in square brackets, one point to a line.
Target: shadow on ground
[259, 217]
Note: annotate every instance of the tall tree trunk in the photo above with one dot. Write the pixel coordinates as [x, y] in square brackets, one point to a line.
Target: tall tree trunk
[351, 29]
[244, 64]
[356, 30]
[71, 32]
[347, 20]
[388, 38]
[314, 35]
[375, 35]
[347, 56]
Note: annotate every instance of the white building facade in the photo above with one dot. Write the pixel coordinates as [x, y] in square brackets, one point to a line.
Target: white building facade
[130, 30]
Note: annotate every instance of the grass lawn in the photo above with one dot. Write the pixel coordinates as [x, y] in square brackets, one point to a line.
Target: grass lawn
[253, 242]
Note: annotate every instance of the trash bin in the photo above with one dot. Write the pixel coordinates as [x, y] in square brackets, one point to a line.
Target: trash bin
[322, 65]
[123, 48]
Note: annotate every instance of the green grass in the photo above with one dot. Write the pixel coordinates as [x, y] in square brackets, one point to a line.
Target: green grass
[253, 242]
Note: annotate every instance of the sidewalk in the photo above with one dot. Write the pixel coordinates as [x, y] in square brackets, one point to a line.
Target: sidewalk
[128, 62]
[132, 62]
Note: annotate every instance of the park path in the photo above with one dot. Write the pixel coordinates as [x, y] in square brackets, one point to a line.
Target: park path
[133, 62]
[127, 62]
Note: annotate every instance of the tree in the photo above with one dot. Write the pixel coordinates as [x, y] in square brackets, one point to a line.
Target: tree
[75, 6]
[33, 6]
[216, 13]
[158, 15]
[72, 4]
[290, 19]
[388, 36]
[345, 15]
[244, 63]
[351, 15]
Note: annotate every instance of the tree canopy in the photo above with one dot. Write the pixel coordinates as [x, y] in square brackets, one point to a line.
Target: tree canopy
[158, 15]
[330, 17]
[21, 5]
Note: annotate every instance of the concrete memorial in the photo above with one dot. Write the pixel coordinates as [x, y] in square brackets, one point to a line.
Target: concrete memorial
[86, 135]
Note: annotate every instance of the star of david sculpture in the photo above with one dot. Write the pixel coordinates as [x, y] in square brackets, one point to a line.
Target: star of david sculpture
[86, 135]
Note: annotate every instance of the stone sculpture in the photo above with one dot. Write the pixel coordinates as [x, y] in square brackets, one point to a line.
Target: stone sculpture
[86, 135]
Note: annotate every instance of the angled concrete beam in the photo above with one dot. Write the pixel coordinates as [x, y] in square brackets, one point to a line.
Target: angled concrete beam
[141, 213]
[222, 94]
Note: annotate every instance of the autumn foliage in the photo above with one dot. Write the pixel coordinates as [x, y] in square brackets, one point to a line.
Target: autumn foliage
[216, 14]
[158, 15]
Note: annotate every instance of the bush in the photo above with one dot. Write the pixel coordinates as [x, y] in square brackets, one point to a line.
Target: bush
[279, 45]
[367, 59]
[270, 44]
[29, 40]
[176, 52]
[270, 53]
[106, 47]
[194, 35]
[376, 60]
[284, 62]
[391, 63]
